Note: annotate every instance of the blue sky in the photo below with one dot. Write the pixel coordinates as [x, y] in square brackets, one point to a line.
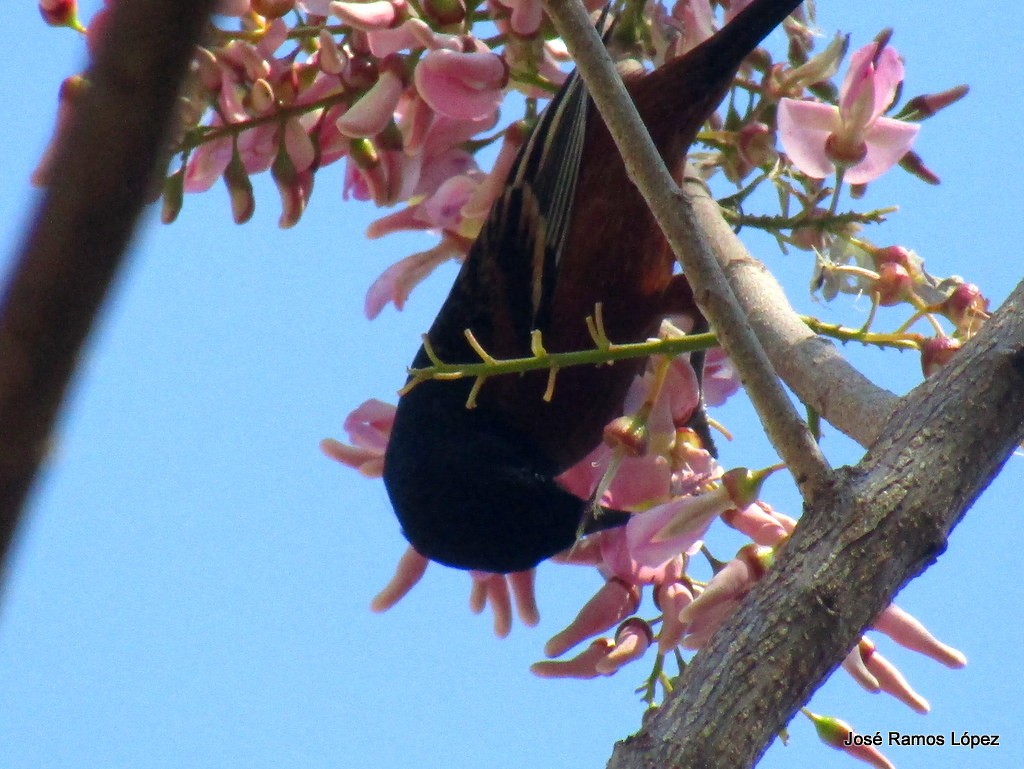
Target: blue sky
[191, 585]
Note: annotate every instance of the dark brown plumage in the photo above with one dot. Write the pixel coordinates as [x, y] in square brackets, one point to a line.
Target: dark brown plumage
[475, 488]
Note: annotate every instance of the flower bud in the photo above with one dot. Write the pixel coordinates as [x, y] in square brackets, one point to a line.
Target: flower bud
[838, 734]
[582, 666]
[629, 434]
[61, 13]
[444, 12]
[937, 352]
[236, 178]
[756, 144]
[173, 196]
[331, 59]
[912, 163]
[893, 285]
[744, 486]
[966, 307]
[272, 9]
[924, 106]
[632, 640]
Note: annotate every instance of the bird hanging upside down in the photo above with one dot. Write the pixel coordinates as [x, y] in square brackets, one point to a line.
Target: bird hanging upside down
[475, 488]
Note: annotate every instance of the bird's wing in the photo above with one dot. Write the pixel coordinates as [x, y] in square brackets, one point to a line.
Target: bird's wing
[505, 287]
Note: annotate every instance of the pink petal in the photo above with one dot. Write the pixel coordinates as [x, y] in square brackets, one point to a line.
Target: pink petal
[466, 86]
[299, 146]
[368, 462]
[207, 164]
[377, 14]
[887, 141]
[398, 281]
[375, 108]
[720, 377]
[387, 41]
[369, 425]
[443, 208]
[408, 572]
[609, 606]
[804, 128]
[884, 76]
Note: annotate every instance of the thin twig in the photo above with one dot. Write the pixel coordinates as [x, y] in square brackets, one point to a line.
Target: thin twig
[783, 424]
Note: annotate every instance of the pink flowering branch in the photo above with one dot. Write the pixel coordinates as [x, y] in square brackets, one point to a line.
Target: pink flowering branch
[106, 161]
[786, 430]
[867, 531]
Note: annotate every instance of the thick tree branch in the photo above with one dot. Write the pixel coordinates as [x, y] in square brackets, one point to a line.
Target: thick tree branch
[103, 171]
[888, 520]
[647, 170]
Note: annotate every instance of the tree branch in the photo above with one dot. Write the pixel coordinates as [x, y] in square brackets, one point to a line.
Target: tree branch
[888, 520]
[104, 169]
[818, 373]
[646, 169]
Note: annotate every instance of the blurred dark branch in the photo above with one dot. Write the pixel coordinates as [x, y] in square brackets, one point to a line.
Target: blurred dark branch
[102, 173]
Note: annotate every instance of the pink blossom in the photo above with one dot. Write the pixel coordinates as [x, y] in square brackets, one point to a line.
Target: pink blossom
[369, 428]
[907, 631]
[582, 666]
[672, 598]
[723, 593]
[875, 673]
[375, 109]
[651, 538]
[398, 280]
[317, 7]
[632, 640]
[698, 22]
[376, 14]
[757, 521]
[615, 601]
[526, 15]
[853, 136]
[408, 572]
[720, 377]
[500, 590]
[465, 86]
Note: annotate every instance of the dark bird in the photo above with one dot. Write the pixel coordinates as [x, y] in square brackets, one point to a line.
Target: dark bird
[474, 488]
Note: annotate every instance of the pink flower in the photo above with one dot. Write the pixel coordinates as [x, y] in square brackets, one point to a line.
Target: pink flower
[632, 640]
[409, 571]
[698, 22]
[465, 86]
[819, 138]
[907, 631]
[494, 589]
[369, 428]
[875, 673]
[398, 280]
[615, 601]
[377, 14]
[723, 593]
[582, 666]
[526, 15]
[720, 377]
[375, 109]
